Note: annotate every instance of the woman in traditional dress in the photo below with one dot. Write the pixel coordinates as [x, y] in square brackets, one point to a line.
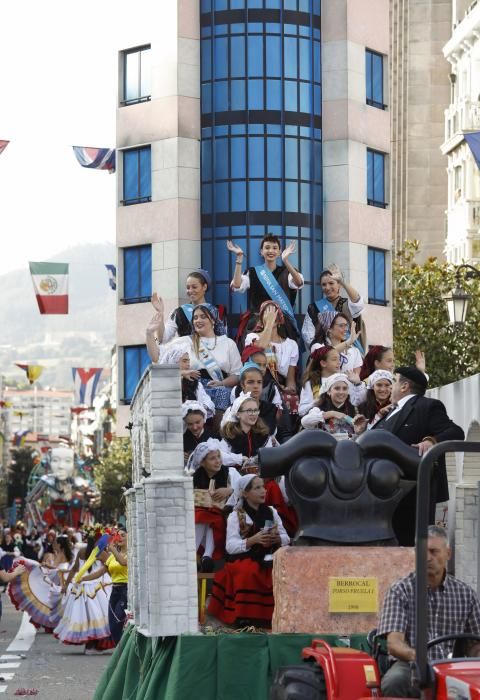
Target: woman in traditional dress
[192, 388]
[180, 321]
[334, 412]
[242, 591]
[213, 485]
[339, 337]
[325, 362]
[85, 605]
[377, 402]
[114, 560]
[243, 431]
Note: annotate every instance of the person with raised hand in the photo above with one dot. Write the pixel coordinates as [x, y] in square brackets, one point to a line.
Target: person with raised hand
[279, 283]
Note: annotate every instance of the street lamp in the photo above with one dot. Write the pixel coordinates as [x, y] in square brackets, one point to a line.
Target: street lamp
[458, 299]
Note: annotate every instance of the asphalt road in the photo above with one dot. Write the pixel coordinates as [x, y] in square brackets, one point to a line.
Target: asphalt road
[34, 659]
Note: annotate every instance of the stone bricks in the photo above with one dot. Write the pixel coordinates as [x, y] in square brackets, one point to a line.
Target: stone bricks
[163, 588]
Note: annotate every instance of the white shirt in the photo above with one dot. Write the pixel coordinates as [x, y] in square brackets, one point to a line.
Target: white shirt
[308, 329]
[400, 405]
[286, 352]
[235, 544]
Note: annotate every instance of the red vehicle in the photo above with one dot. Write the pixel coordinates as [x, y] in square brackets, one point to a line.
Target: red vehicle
[340, 673]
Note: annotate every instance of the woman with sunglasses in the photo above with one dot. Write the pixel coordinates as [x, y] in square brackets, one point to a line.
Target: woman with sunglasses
[339, 337]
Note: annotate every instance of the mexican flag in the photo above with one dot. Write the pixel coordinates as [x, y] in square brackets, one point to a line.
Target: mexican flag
[50, 282]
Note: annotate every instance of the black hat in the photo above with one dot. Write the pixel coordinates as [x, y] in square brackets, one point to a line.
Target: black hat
[415, 375]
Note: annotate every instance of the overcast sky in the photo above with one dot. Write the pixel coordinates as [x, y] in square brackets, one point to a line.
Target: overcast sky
[58, 70]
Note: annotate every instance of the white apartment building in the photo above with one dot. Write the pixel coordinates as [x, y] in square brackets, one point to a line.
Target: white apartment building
[39, 411]
[462, 118]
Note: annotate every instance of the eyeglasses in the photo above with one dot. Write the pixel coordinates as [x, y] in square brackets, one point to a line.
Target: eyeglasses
[341, 325]
[250, 411]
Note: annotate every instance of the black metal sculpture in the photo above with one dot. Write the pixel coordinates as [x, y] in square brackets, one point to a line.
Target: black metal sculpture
[344, 493]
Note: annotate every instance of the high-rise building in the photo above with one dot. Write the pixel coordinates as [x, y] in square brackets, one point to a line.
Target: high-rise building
[419, 92]
[462, 122]
[242, 117]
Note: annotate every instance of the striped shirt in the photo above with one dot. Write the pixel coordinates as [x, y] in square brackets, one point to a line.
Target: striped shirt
[452, 608]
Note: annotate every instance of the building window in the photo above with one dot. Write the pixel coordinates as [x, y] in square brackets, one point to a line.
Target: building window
[135, 361]
[374, 79]
[376, 178]
[137, 274]
[376, 277]
[137, 176]
[136, 75]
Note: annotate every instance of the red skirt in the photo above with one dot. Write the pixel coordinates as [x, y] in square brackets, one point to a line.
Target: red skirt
[242, 590]
[216, 520]
[287, 513]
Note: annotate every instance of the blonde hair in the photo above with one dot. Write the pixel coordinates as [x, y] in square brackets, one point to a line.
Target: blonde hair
[233, 429]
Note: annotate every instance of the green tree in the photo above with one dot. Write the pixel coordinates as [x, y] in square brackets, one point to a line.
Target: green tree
[21, 464]
[420, 319]
[113, 472]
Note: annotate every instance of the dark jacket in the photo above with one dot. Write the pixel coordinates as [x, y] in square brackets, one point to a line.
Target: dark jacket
[419, 418]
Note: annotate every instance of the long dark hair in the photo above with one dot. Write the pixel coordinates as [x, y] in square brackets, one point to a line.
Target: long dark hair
[369, 407]
[326, 404]
[375, 354]
[66, 547]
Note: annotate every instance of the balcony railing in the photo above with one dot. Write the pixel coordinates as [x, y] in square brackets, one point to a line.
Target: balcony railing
[462, 116]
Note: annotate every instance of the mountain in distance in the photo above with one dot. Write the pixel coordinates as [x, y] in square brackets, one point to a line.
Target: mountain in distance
[83, 338]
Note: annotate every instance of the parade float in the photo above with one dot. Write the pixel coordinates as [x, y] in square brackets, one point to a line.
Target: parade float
[333, 591]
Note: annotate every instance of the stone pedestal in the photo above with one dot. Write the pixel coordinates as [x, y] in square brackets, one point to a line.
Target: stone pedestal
[301, 580]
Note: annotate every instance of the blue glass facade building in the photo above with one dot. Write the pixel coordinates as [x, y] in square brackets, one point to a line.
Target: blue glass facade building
[261, 146]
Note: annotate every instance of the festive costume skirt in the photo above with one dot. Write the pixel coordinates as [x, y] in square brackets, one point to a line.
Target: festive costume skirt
[242, 590]
[31, 592]
[216, 520]
[85, 613]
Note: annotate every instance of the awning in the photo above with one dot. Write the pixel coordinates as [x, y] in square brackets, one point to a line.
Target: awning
[473, 140]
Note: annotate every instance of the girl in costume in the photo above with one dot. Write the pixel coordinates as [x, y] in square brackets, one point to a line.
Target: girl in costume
[213, 485]
[194, 430]
[192, 388]
[242, 590]
[282, 352]
[114, 560]
[268, 282]
[378, 357]
[251, 382]
[334, 413]
[180, 321]
[270, 391]
[38, 590]
[243, 431]
[341, 335]
[377, 402]
[85, 607]
[325, 362]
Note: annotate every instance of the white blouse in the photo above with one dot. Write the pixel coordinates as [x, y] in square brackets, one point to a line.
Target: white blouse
[286, 352]
[235, 544]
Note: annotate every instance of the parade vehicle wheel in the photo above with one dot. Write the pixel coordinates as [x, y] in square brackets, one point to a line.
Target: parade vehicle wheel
[305, 682]
[459, 648]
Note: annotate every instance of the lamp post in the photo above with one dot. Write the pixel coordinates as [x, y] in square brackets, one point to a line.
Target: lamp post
[458, 299]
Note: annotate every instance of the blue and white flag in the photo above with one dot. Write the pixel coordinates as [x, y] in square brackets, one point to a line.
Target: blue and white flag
[112, 276]
[96, 158]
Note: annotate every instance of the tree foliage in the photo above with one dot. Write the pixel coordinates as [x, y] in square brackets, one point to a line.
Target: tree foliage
[420, 318]
[113, 472]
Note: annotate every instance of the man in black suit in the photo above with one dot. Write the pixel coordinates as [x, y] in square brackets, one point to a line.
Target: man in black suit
[421, 423]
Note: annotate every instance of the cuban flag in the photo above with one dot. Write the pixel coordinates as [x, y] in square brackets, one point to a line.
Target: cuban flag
[86, 381]
[96, 158]
[112, 276]
[3, 145]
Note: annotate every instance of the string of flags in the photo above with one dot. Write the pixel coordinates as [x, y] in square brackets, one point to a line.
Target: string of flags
[85, 381]
[50, 283]
[87, 156]
[33, 372]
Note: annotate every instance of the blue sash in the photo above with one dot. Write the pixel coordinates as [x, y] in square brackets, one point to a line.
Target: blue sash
[188, 311]
[276, 293]
[328, 311]
[210, 363]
